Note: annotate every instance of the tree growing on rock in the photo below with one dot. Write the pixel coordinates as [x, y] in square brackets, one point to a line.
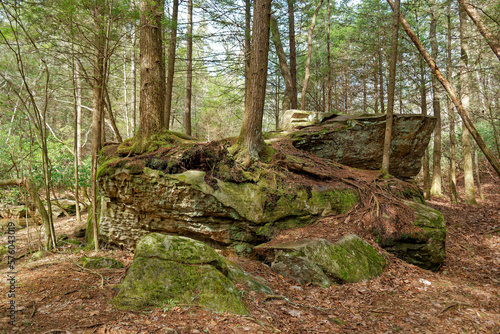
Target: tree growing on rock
[250, 144]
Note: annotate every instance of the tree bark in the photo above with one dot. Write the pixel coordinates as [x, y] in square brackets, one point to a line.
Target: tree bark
[451, 114]
[470, 195]
[293, 54]
[97, 113]
[329, 92]
[285, 72]
[152, 98]
[308, 60]
[189, 69]
[464, 114]
[250, 143]
[483, 29]
[436, 105]
[248, 46]
[390, 91]
[171, 63]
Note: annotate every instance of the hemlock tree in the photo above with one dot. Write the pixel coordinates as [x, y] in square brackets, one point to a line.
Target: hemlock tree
[250, 145]
[390, 91]
[152, 94]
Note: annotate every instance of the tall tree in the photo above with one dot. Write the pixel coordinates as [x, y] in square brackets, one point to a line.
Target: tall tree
[250, 143]
[470, 196]
[171, 63]
[436, 106]
[293, 54]
[189, 69]
[152, 101]
[285, 72]
[451, 115]
[464, 114]
[390, 90]
[308, 60]
[493, 41]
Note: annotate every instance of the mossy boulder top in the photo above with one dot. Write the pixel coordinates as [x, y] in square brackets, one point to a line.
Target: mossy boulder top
[319, 261]
[179, 270]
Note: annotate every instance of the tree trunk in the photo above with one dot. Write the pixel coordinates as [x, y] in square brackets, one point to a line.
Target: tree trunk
[97, 113]
[451, 113]
[436, 105]
[308, 60]
[152, 98]
[375, 84]
[248, 41]
[189, 69]
[250, 143]
[293, 54]
[470, 196]
[390, 91]
[329, 92]
[483, 29]
[112, 121]
[171, 63]
[464, 114]
[285, 72]
[134, 82]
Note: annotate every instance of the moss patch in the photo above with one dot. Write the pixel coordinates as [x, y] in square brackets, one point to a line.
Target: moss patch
[171, 268]
[318, 261]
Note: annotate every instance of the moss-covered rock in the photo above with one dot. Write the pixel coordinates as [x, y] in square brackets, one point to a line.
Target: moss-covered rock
[100, 262]
[318, 261]
[425, 245]
[195, 204]
[183, 271]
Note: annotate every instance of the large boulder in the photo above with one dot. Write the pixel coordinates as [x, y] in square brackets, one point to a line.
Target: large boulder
[357, 141]
[179, 270]
[218, 212]
[424, 245]
[320, 262]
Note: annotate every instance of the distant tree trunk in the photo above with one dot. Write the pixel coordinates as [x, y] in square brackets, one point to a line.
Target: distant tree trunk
[381, 79]
[308, 60]
[390, 91]
[97, 113]
[375, 84]
[478, 175]
[112, 121]
[171, 63]
[189, 69]
[285, 72]
[328, 62]
[493, 42]
[134, 82]
[470, 195]
[293, 55]
[152, 98]
[250, 143]
[464, 114]
[436, 105]
[77, 100]
[451, 113]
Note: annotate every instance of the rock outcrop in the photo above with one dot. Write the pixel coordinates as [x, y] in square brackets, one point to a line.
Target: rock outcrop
[184, 271]
[423, 246]
[320, 262]
[220, 213]
[357, 141]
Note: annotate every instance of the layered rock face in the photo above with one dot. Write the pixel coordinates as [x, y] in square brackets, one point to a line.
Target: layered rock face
[222, 213]
[357, 141]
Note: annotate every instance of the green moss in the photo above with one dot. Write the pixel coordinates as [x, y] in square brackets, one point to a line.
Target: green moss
[104, 168]
[164, 138]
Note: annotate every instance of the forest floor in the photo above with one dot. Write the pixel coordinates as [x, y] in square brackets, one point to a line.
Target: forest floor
[56, 295]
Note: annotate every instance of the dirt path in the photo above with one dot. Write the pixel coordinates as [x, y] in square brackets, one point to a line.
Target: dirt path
[54, 295]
